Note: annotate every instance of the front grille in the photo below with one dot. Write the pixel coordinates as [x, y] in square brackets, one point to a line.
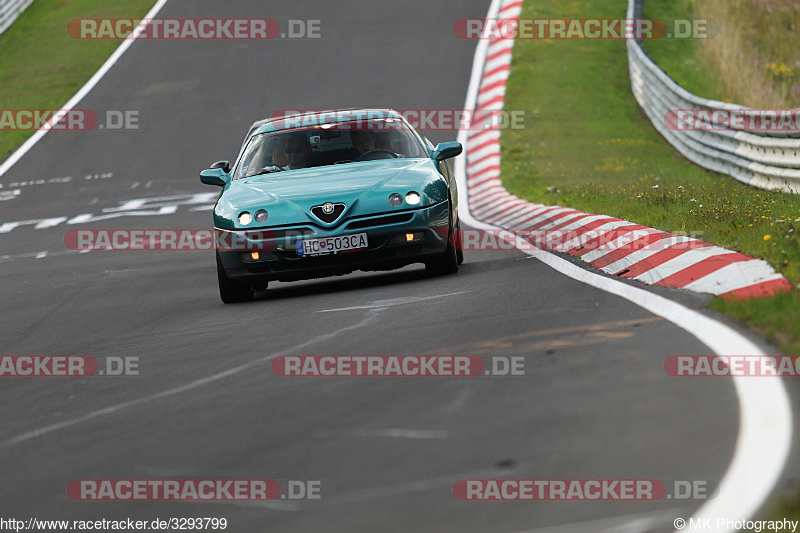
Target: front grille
[328, 218]
[380, 221]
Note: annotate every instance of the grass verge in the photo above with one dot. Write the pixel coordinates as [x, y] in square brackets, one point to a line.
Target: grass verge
[41, 66]
[753, 61]
[592, 148]
[763, 73]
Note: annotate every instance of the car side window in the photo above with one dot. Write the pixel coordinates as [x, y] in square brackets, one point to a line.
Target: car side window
[254, 158]
[247, 159]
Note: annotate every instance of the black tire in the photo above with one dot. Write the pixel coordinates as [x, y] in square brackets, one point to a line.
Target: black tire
[447, 263]
[459, 243]
[231, 292]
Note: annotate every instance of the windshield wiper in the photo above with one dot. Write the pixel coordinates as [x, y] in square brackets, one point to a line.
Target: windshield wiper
[268, 170]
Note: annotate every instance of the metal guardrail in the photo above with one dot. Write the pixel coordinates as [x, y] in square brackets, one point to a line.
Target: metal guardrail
[10, 10]
[766, 160]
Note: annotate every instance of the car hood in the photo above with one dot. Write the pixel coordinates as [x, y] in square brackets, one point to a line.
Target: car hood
[363, 187]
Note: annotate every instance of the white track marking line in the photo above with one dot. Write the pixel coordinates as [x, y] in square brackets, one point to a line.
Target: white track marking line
[380, 304]
[81, 94]
[765, 419]
[766, 422]
[372, 315]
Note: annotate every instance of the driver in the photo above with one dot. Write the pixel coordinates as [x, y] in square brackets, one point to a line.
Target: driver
[298, 151]
[363, 141]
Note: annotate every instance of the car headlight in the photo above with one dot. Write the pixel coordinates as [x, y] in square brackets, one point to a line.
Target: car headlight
[261, 216]
[395, 199]
[245, 218]
[413, 198]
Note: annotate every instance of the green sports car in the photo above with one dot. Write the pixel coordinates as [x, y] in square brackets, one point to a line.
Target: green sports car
[326, 193]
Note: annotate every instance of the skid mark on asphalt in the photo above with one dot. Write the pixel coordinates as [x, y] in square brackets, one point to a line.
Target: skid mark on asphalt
[584, 335]
[371, 316]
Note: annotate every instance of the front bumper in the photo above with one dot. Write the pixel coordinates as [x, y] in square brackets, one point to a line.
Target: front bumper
[278, 259]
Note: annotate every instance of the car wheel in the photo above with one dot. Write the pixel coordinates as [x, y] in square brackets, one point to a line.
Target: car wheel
[459, 243]
[230, 291]
[446, 264]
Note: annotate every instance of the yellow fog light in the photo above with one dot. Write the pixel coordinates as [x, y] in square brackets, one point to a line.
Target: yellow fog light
[405, 238]
[252, 257]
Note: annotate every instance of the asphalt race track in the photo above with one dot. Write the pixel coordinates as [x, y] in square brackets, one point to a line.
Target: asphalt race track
[594, 403]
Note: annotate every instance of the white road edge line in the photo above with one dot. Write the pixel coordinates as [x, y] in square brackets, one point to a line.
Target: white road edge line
[81, 94]
[765, 420]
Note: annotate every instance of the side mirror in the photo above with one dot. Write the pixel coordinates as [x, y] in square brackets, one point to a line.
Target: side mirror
[224, 165]
[447, 150]
[214, 176]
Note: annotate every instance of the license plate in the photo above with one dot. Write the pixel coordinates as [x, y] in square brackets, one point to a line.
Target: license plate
[332, 245]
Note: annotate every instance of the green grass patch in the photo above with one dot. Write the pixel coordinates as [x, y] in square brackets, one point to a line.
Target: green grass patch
[41, 66]
[682, 59]
[592, 148]
[753, 60]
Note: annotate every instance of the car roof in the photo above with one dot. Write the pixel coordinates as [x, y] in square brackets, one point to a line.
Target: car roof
[317, 117]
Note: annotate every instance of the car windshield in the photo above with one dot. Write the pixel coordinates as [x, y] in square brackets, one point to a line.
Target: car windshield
[328, 144]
